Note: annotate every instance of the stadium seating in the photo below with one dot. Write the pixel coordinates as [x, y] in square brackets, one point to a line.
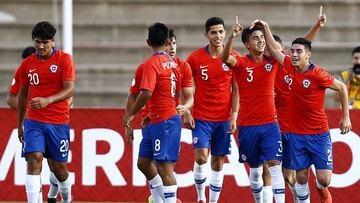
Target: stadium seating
[109, 35]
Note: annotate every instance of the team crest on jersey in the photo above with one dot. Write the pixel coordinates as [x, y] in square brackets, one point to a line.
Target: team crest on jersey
[225, 67]
[306, 83]
[53, 68]
[268, 67]
[243, 157]
[195, 140]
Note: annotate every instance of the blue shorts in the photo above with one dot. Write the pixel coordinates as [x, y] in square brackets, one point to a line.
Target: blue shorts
[306, 150]
[165, 139]
[53, 140]
[145, 149]
[259, 143]
[212, 134]
[286, 160]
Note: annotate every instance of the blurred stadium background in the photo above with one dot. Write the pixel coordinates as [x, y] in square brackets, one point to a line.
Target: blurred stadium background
[109, 42]
[109, 35]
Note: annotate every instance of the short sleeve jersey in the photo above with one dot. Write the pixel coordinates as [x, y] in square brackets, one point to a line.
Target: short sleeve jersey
[135, 87]
[256, 89]
[307, 99]
[283, 82]
[213, 80]
[45, 78]
[161, 76]
[15, 83]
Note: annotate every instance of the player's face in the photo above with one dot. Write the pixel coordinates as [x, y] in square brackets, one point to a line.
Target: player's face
[299, 55]
[44, 47]
[216, 35]
[256, 42]
[356, 58]
[171, 47]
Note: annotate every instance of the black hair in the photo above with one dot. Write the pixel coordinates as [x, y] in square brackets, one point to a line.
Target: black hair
[44, 31]
[247, 32]
[355, 50]
[27, 52]
[303, 41]
[158, 34]
[213, 21]
[172, 34]
[277, 38]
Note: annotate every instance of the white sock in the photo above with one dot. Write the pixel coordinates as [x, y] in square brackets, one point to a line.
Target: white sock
[256, 183]
[200, 180]
[170, 193]
[292, 189]
[33, 188]
[156, 189]
[216, 182]
[278, 183]
[303, 192]
[267, 194]
[65, 190]
[54, 188]
[40, 200]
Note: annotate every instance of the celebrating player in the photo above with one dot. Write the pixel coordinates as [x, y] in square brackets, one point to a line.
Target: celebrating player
[309, 139]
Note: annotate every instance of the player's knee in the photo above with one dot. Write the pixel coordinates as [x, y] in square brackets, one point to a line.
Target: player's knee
[324, 181]
[217, 163]
[301, 178]
[60, 171]
[290, 176]
[201, 160]
[256, 173]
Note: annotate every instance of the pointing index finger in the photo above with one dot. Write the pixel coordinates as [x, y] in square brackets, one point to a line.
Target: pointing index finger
[236, 20]
[321, 11]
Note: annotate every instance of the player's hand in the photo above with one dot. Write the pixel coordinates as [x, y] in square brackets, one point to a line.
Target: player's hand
[146, 121]
[322, 18]
[189, 121]
[126, 120]
[39, 102]
[129, 134]
[21, 135]
[180, 109]
[258, 23]
[236, 28]
[345, 125]
[232, 128]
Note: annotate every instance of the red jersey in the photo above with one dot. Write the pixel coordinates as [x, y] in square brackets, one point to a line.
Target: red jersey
[307, 99]
[161, 75]
[256, 89]
[283, 82]
[135, 87]
[45, 78]
[213, 81]
[15, 83]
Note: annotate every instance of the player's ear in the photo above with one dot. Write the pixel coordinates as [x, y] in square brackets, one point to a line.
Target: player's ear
[308, 54]
[148, 42]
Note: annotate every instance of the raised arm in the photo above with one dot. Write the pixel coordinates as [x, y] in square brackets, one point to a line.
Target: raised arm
[310, 35]
[345, 123]
[273, 47]
[226, 57]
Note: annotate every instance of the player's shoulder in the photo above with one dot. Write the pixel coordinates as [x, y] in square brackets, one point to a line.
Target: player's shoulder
[344, 74]
[197, 53]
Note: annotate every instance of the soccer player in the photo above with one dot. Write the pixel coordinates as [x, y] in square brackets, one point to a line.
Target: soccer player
[210, 118]
[259, 134]
[309, 139]
[283, 81]
[47, 82]
[12, 101]
[145, 160]
[159, 85]
[351, 78]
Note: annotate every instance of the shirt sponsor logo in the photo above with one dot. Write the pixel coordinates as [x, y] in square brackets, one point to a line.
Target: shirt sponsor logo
[201, 67]
[32, 70]
[53, 68]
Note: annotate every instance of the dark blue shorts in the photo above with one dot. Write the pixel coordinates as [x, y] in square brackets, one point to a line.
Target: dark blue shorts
[53, 140]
